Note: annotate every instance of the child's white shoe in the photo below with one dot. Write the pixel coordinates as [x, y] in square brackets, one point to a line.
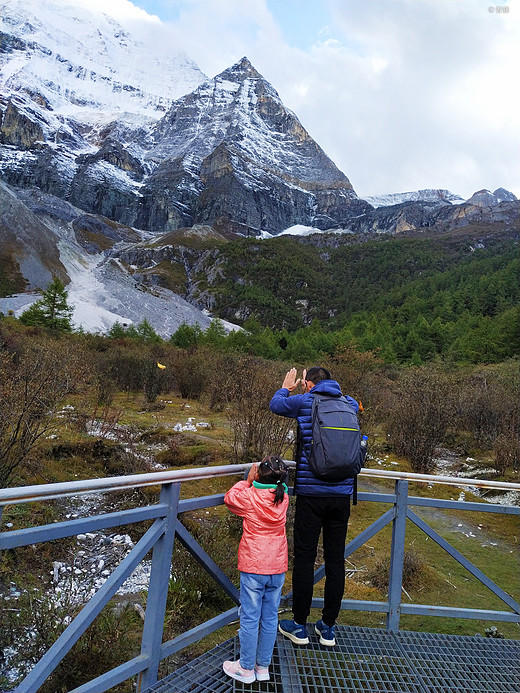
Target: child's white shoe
[262, 673]
[237, 672]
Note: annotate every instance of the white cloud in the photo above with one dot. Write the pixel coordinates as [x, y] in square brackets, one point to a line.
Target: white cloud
[118, 9]
[401, 94]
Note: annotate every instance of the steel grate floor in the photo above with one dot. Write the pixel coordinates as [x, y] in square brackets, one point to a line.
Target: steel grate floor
[365, 659]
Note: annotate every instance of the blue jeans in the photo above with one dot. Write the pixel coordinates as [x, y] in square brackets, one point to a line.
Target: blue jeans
[259, 602]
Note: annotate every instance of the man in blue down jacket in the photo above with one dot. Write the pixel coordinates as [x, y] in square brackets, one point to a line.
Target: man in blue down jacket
[319, 504]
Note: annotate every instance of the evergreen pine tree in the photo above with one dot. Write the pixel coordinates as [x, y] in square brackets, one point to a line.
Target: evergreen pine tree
[187, 336]
[52, 310]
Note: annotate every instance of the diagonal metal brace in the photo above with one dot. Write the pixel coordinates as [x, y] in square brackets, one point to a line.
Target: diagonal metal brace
[353, 545]
[79, 625]
[476, 572]
[209, 565]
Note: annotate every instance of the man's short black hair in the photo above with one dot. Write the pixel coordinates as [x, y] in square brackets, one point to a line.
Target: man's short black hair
[316, 374]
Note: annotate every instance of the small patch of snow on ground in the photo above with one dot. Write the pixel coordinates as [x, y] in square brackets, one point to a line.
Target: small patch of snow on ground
[450, 464]
[95, 557]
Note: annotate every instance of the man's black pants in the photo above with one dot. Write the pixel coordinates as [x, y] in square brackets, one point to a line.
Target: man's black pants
[312, 514]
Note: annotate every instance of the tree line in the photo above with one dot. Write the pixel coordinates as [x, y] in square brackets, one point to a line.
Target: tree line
[401, 334]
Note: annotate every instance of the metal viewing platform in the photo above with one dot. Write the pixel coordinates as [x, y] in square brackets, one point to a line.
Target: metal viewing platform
[364, 659]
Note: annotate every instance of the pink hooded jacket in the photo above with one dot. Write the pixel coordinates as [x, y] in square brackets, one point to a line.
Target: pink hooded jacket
[263, 546]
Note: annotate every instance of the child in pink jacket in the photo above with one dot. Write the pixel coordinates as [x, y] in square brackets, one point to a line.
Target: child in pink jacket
[262, 502]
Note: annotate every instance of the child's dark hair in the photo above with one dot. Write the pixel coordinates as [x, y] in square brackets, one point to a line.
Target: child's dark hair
[273, 470]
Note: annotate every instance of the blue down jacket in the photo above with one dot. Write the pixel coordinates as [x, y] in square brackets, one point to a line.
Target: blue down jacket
[299, 407]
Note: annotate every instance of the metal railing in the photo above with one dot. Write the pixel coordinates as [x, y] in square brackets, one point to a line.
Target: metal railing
[167, 526]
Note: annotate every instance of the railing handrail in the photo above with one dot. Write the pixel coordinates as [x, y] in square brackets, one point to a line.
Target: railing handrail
[440, 479]
[40, 492]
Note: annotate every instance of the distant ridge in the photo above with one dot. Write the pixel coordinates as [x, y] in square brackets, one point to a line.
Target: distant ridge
[428, 195]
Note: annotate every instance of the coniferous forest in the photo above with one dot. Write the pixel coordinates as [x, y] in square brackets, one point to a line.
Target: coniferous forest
[411, 299]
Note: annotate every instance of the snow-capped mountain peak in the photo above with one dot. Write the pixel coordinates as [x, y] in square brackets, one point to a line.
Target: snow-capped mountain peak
[91, 60]
[240, 110]
[239, 71]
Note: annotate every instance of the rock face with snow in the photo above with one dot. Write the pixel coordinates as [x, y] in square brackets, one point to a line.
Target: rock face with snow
[432, 216]
[76, 84]
[237, 158]
[90, 115]
[485, 198]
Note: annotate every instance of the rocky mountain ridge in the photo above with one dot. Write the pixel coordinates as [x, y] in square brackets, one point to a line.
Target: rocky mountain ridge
[436, 216]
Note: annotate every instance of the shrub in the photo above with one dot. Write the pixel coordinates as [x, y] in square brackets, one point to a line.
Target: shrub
[256, 431]
[485, 401]
[154, 379]
[220, 386]
[421, 412]
[33, 384]
[413, 567]
[507, 451]
[191, 372]
[351, 368]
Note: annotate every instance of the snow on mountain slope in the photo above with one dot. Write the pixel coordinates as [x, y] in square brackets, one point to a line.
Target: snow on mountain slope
[429, 195]
[91, 61]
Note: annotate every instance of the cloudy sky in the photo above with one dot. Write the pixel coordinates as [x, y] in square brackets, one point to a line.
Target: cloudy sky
[401, 94]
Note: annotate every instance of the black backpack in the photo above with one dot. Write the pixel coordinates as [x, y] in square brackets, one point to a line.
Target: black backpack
[336, 453]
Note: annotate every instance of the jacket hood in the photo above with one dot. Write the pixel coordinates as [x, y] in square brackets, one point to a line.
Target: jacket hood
[327, 387]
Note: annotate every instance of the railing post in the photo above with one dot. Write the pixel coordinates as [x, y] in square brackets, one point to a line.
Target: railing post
[397, 556]
[158, 588]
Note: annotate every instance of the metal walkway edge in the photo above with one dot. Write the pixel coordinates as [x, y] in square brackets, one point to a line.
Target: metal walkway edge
[365, 659]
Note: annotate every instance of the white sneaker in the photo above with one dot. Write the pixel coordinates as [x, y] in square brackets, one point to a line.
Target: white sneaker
[262, 673]
[234, 670]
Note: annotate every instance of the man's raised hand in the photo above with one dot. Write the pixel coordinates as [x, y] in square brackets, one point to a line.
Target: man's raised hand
[290, 381]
